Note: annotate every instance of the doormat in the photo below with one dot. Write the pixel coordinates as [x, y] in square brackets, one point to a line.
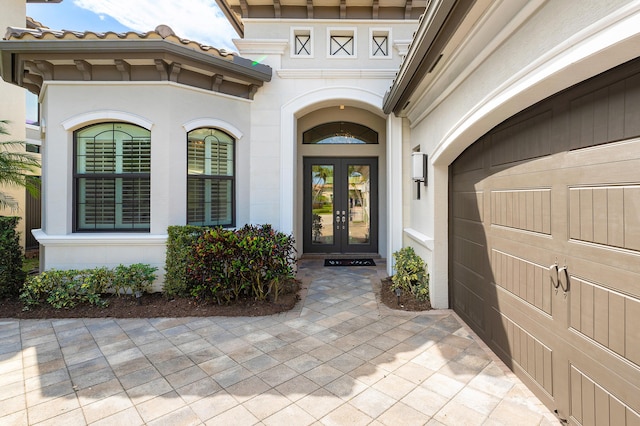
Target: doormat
[349, 262]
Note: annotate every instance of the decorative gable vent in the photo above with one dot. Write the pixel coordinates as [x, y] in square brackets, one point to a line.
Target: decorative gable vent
[342, 42]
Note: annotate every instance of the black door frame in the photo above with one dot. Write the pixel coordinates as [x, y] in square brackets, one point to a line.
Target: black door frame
[341, 200]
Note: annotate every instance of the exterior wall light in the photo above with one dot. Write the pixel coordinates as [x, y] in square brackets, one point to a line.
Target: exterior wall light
[418, 170]
[419, 167]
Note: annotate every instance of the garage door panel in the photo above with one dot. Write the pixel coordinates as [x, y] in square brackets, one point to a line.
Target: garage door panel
[605, 316]
[632, 106]
[631, 201]
[535, 133]
[606, 114]
[471, 231]
[524, 279]
[632, 334]
[606, 215]
[522, 209]
[473, 161]
[470, 306]
[523, 349]
[471, 254]
[593, 403]
[470, 205]
[618, 273]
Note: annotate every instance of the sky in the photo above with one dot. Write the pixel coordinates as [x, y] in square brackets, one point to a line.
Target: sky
[197, 20]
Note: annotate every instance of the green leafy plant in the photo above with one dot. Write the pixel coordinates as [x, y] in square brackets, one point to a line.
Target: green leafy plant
[411, 274]
[133, 279]
[253, 262]
[11, 274]
[209, 265]
[68, 288]
[63, 289]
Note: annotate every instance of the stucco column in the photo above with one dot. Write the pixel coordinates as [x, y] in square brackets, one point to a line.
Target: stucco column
[439, 279]
[394, 188]
[287, 170]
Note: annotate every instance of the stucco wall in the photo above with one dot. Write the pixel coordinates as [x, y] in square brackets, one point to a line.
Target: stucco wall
[169, 111]
[509, 58]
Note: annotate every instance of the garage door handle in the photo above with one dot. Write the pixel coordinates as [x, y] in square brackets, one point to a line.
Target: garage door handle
[560, 271]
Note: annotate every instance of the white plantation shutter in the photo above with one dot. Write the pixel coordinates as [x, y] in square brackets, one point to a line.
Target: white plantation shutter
[113, 180]
[210, 180]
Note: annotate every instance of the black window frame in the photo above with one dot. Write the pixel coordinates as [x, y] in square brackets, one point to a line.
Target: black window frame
[138, 177]
[213, 178]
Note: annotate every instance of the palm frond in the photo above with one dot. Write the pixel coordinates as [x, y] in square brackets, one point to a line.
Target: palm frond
[16, 166]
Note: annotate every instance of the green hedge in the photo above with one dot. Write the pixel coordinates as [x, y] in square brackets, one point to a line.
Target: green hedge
[11, 256]
[68, 288]
[225, 265]
[179, 246]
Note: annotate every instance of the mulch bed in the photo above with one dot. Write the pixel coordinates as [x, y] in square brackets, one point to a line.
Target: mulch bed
[407, 301]
[153, 306]
[156, 305]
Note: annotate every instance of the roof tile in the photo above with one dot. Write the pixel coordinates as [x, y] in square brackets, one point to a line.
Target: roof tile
[161, 32]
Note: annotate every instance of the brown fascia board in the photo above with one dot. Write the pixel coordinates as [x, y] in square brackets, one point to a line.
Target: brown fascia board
[232, 17]
[436, 28]
[238, 65]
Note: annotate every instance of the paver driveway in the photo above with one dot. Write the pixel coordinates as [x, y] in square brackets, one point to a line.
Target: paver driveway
[339, 358]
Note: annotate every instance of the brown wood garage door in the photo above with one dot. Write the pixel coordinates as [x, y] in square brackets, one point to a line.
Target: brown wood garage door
[545, 247]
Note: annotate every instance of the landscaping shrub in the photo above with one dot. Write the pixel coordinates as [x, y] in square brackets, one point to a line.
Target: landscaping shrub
[411, 274]
[254, 262]
[11, 274]
[68, 288]
[133, 279]
[179, 246]
[214, 269]
[62, 289]
[268, 257]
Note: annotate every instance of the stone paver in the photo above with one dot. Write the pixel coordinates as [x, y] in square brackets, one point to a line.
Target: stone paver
[339, 357]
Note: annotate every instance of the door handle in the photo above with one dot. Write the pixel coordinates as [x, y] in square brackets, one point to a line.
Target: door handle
[560, 271]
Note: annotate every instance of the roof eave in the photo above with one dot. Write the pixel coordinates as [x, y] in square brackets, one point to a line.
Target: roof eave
[232, 17]
[422, 55]
[237, 65]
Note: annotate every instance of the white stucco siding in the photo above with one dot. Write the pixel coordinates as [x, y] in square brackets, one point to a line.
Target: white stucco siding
[169, 111]
[264, 159]
[540, 49]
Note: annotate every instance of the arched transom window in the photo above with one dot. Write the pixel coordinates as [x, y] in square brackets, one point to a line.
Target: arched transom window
[340, 132]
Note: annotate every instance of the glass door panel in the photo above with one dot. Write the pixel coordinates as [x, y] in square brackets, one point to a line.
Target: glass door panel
[322, 204]
[359, 204]
[340, 205]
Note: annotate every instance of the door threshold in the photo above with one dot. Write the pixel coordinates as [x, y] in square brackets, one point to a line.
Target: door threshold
[322, 256]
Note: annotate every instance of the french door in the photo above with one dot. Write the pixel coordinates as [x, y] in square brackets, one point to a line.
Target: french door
[340, 205]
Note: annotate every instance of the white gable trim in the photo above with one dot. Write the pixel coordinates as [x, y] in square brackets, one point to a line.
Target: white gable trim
[213, 122]
[77, 121]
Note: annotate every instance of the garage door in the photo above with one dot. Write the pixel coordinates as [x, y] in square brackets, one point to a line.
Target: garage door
[545, 247]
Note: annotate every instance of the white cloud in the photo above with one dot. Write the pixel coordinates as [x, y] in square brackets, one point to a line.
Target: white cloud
[198, 20]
